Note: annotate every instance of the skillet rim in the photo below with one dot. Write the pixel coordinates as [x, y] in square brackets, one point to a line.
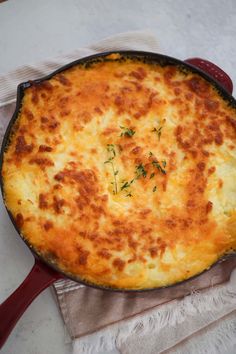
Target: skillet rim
[150, 57]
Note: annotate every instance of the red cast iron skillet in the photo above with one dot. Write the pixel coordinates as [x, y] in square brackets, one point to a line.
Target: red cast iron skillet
[44, 272]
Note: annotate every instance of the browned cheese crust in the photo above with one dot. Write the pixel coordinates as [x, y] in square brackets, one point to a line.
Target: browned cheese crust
[123, 173]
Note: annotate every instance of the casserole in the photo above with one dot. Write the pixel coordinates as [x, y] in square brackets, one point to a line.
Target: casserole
[118, 170]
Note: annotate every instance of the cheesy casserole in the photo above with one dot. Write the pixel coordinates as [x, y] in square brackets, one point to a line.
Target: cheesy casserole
[122, 172]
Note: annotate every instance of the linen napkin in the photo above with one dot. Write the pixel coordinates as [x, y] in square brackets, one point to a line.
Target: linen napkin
[152, 322]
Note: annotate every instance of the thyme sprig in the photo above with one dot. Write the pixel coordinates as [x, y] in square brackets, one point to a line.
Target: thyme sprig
[140, 171]
[160, 166]
[126, 187]
[126, 184]
[112, 154]
[127, 132]
[158, 129]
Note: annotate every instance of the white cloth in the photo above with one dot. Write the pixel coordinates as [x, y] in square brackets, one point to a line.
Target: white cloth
[200, 323]
[204, 322]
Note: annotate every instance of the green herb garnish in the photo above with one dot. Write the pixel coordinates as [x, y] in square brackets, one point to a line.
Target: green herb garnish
[154, 189]
[125, 185]
[152, 175]
[157, 165]
[129, 195]
[111, 149]
[127, 132]
[163, 163]
[140, 171]
[112, 154]
[158, 129]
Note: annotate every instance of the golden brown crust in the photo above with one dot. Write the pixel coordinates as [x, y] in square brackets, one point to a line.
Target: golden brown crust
[124, 172]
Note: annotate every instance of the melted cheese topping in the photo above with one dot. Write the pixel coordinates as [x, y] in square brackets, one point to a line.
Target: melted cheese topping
[123, 173]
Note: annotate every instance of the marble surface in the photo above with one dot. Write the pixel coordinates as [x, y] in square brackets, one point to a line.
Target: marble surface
[32, 30]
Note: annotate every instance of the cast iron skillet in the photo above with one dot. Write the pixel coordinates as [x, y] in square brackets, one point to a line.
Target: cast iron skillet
[44, 271]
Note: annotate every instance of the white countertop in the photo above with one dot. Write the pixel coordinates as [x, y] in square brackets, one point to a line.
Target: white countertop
[32, 30]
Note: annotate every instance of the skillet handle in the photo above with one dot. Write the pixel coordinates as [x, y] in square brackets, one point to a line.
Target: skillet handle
[214, 71]
[39, 278]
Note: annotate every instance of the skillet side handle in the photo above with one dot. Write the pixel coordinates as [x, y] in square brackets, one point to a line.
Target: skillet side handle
[214, 71]
[39, 278]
